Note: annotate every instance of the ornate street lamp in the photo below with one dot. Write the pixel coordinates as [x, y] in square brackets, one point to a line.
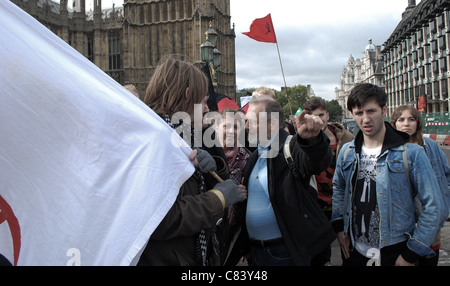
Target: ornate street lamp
[211, 34]
[216, 58]
[207, 49]
[210, 54]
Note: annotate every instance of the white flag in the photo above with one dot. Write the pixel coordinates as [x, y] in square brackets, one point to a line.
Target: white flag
[87, 170]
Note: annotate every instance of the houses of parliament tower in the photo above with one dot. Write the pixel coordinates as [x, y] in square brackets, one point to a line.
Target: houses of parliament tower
[127, 42]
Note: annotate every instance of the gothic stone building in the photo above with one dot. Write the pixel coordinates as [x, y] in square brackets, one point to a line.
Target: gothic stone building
[128, 42]
[415, 60]
[368, 69]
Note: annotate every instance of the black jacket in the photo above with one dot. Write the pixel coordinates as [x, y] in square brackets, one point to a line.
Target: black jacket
[304, 227]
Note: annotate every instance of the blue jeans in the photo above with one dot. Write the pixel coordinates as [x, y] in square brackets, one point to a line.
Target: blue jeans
[276, 255]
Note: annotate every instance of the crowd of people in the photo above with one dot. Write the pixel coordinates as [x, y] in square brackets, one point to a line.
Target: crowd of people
[278, 194]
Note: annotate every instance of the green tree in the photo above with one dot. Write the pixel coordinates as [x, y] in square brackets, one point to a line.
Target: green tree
[334, 110]
[298, 95]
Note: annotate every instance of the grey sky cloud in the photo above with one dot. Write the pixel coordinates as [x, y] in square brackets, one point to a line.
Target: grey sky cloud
[313, 49]
[315, 39]
[313, 56]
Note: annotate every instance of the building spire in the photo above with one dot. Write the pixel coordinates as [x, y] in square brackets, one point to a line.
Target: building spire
[79, 6]
[98, 6]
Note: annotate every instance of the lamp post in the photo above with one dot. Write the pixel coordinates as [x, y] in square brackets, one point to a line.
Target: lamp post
[210, 53]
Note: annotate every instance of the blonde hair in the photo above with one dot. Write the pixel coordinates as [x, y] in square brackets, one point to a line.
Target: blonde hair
[131, 88]
[263, 91]
[175, 86]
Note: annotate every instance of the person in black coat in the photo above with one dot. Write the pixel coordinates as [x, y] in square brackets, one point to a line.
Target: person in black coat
[284, 224]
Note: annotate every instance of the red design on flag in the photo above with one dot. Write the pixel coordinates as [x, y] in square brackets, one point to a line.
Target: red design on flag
[7, 214]
[262, 30]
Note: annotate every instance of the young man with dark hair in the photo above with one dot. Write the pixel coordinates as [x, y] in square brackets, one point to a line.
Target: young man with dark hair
[373, 205]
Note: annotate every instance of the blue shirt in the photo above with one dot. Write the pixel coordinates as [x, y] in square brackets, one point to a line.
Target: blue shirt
[261, 221]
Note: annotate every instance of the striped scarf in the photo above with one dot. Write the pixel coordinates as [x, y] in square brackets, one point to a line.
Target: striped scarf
[206, 236]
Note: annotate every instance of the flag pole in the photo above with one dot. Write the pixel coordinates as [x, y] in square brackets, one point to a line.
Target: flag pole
[262, 30]
[284, 79]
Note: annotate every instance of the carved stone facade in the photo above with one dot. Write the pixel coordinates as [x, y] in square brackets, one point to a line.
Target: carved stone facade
[414, 62]
[367, 69]
[128, 42]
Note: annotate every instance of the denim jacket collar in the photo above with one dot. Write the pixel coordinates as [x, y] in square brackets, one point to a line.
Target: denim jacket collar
[392, 138]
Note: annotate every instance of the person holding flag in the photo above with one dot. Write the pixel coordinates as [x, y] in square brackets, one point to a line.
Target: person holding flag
[187, 234]
[88, 171]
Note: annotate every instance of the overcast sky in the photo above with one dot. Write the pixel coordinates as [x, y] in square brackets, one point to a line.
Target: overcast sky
[315, 39]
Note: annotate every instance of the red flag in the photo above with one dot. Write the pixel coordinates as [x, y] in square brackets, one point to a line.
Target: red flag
[262, 30]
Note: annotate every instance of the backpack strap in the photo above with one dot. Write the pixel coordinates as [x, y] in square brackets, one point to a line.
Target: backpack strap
[291, 164]
[417, 203]
[406, 166]
[288, 156]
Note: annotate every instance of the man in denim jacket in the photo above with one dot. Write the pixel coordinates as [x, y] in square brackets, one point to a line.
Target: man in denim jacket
[373, 207]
